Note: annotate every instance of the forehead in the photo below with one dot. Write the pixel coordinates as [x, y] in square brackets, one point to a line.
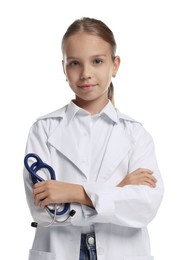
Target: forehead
[86, 43]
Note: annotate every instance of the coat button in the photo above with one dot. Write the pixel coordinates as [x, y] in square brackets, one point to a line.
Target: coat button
[91, 241]
[100, 251]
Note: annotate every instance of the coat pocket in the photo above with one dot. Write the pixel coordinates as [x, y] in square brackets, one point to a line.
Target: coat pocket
[40, 255]
[138, 258]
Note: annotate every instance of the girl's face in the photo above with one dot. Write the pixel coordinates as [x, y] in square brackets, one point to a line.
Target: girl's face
[89, 67]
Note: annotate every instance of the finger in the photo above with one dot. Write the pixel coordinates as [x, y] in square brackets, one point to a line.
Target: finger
[151, 177]
[139, 176]
[40, 197]
[147, 175]
[144, 177]
[150, 180]
[142, 170]
[152, 185]
[39, 184]
[45, 202]
[38, 190]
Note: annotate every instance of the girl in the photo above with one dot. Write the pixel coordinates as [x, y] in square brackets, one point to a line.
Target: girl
[104, 161]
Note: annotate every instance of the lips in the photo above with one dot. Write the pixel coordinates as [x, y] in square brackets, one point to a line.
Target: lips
[87, 86]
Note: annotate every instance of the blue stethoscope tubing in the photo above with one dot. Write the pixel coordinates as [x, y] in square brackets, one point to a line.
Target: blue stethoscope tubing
[34, 168]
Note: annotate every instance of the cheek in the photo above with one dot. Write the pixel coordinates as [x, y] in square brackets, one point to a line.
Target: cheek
[109, 74]
[72, 76]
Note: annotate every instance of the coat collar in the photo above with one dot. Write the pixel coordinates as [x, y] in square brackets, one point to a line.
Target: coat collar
[71, 109]
[108, 110]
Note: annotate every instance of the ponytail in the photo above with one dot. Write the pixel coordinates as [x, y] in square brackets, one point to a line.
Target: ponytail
[111, 93]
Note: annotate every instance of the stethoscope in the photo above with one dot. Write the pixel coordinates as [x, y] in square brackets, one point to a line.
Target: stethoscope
[54, 210]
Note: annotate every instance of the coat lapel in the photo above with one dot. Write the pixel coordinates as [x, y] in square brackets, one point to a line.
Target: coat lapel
[62, 139]
[118, 147]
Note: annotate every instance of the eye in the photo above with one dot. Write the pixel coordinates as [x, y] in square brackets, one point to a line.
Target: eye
[97, 61]
[74, 63]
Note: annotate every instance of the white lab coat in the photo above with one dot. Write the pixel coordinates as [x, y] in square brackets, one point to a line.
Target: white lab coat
[120, 216]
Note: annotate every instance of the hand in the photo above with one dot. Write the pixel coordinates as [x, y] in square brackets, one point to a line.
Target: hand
[56, 192]
[52, 192]
[140, 176]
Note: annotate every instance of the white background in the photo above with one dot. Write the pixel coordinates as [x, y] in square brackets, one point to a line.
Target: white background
[149, 87]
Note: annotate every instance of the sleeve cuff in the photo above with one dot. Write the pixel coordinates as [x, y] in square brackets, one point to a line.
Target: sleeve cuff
[102, 200]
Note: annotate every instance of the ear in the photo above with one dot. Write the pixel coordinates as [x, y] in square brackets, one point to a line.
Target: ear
[63, 67]
[117, 61]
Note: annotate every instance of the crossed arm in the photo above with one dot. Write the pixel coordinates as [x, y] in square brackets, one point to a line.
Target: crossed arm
[51, 192]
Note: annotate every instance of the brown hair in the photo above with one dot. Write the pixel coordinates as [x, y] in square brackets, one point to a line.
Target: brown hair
[97, 28]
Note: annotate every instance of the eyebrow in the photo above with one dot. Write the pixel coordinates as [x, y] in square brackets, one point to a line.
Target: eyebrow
[94, 56]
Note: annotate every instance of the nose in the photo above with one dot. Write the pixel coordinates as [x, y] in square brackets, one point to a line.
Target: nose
[86, 72]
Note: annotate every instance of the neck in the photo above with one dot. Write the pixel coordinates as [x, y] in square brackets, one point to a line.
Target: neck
[93, 107]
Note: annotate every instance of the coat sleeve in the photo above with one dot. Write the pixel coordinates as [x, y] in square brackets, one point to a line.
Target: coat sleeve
[131, 205]
[37, 143]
